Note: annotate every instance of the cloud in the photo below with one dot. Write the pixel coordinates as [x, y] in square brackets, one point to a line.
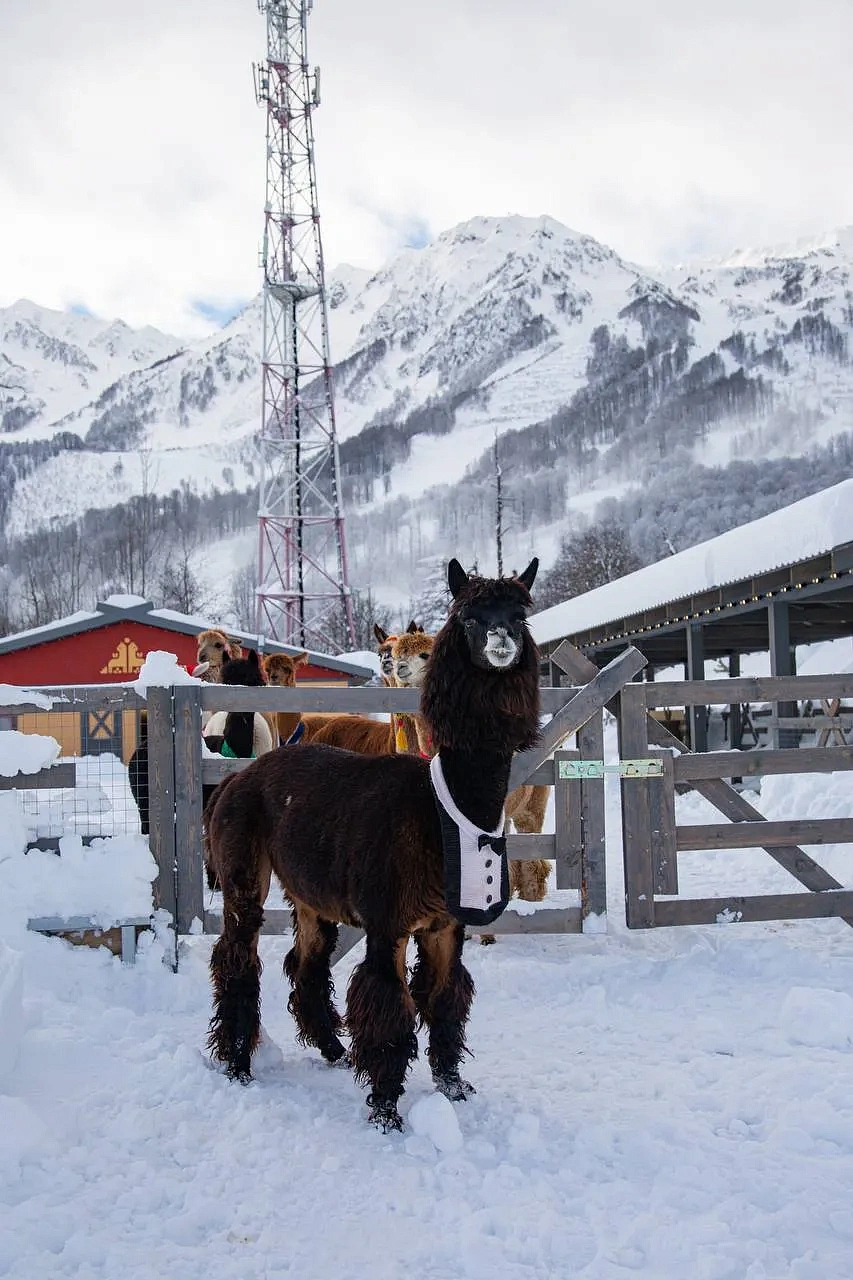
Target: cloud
[132, 153]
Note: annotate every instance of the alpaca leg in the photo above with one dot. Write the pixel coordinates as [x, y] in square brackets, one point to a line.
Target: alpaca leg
[381, 1021]
[307, 967]
[209, 870]
[443, 990]
[529, 879]
[235, 968]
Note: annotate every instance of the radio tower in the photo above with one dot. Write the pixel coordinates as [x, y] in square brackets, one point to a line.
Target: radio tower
[303, 593]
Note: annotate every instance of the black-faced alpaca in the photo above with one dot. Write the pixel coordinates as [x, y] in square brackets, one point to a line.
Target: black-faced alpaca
[237, 734]
[357, 839]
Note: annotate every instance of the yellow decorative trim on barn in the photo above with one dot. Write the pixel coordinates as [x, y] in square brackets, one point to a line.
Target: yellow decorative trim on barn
[126, 660]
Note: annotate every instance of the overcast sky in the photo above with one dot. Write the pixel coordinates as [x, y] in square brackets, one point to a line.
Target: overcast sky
[131, 148]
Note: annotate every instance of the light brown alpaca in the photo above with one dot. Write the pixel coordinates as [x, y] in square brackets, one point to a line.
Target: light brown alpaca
[361, 733]
[214, 647]
[280, 670]
[525, 806]
[405, 736]
[357, 733]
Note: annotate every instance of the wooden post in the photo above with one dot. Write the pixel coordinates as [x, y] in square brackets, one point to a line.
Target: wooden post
[568, 831]
[594, 887]
[662, 810]
[161, 800]
[636, 814]
[188, 859]
[735, 719]
[697, 717]
[782, 663]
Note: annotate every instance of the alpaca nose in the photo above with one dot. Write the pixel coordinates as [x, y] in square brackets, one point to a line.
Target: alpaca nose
[403, 670]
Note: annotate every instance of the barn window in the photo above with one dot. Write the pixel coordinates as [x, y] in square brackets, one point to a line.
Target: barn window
[7, 722]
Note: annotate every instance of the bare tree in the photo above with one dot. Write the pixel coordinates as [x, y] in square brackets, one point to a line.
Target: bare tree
[244, 596]
[587, 560]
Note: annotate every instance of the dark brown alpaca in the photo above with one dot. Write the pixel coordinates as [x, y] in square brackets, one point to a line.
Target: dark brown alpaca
[356, 839]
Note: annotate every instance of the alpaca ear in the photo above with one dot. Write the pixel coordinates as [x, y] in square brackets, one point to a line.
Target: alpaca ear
[380, 635]
[254, 661]
[527, 578]
[412, 628]
[457, 578]
[299, 659]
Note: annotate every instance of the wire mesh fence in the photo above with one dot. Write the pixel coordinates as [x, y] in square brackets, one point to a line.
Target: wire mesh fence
[98, 730]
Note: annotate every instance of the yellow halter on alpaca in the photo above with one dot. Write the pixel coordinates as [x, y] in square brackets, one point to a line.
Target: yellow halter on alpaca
[401, 739]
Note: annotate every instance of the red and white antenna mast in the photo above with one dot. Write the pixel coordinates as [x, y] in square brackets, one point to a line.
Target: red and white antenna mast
[303, 592]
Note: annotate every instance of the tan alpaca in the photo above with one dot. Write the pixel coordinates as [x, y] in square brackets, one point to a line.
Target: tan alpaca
[214, 647]
[525, 806]
[280, 670]
[405, 735]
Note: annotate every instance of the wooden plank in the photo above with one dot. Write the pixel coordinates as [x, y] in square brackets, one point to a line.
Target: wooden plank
[763, 835]
[189, 868]
[568, 838]
[54, 777]
[731, 764]
[662, 810]
[213, 771]
[678, 693]
[782, 663]
[697, 715]
[636, 812]
[543, 776]
[525, 848]
[161, 797]
[360, 700]
[580, 706]
[73, 924]
[542, 920]
[71, 699]
[277, 921]
[594, 887]
[809, 724]
[731, 803]
[31, 709]
[771, 906]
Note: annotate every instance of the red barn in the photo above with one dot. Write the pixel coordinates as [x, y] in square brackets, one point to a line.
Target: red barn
[109, 645]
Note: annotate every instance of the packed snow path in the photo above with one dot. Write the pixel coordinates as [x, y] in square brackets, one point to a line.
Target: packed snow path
[671, 1105]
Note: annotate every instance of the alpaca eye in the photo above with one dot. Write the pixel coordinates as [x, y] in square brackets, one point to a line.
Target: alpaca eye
[423, 656]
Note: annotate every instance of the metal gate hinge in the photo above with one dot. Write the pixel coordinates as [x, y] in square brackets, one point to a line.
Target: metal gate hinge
[574, 769]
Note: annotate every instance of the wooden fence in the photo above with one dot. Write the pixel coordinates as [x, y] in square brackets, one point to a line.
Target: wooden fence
[95, 725]
[652, 839]
[177, 770]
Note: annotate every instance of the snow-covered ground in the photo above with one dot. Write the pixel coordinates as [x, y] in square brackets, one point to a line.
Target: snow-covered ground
[671, 1104]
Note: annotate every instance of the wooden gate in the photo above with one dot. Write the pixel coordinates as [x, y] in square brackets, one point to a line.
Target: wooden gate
[652, 839]
[177, 771]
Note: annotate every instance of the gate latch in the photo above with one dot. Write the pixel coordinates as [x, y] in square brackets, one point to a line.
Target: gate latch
[574, 769]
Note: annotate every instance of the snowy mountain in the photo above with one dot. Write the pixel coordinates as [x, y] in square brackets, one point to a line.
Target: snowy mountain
[54, 362]
[597, 374]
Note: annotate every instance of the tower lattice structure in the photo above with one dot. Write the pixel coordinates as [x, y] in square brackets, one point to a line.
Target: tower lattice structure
[303, 591]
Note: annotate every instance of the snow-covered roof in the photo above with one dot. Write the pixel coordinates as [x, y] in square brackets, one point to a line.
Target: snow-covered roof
[810, 527]
[136, 609]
